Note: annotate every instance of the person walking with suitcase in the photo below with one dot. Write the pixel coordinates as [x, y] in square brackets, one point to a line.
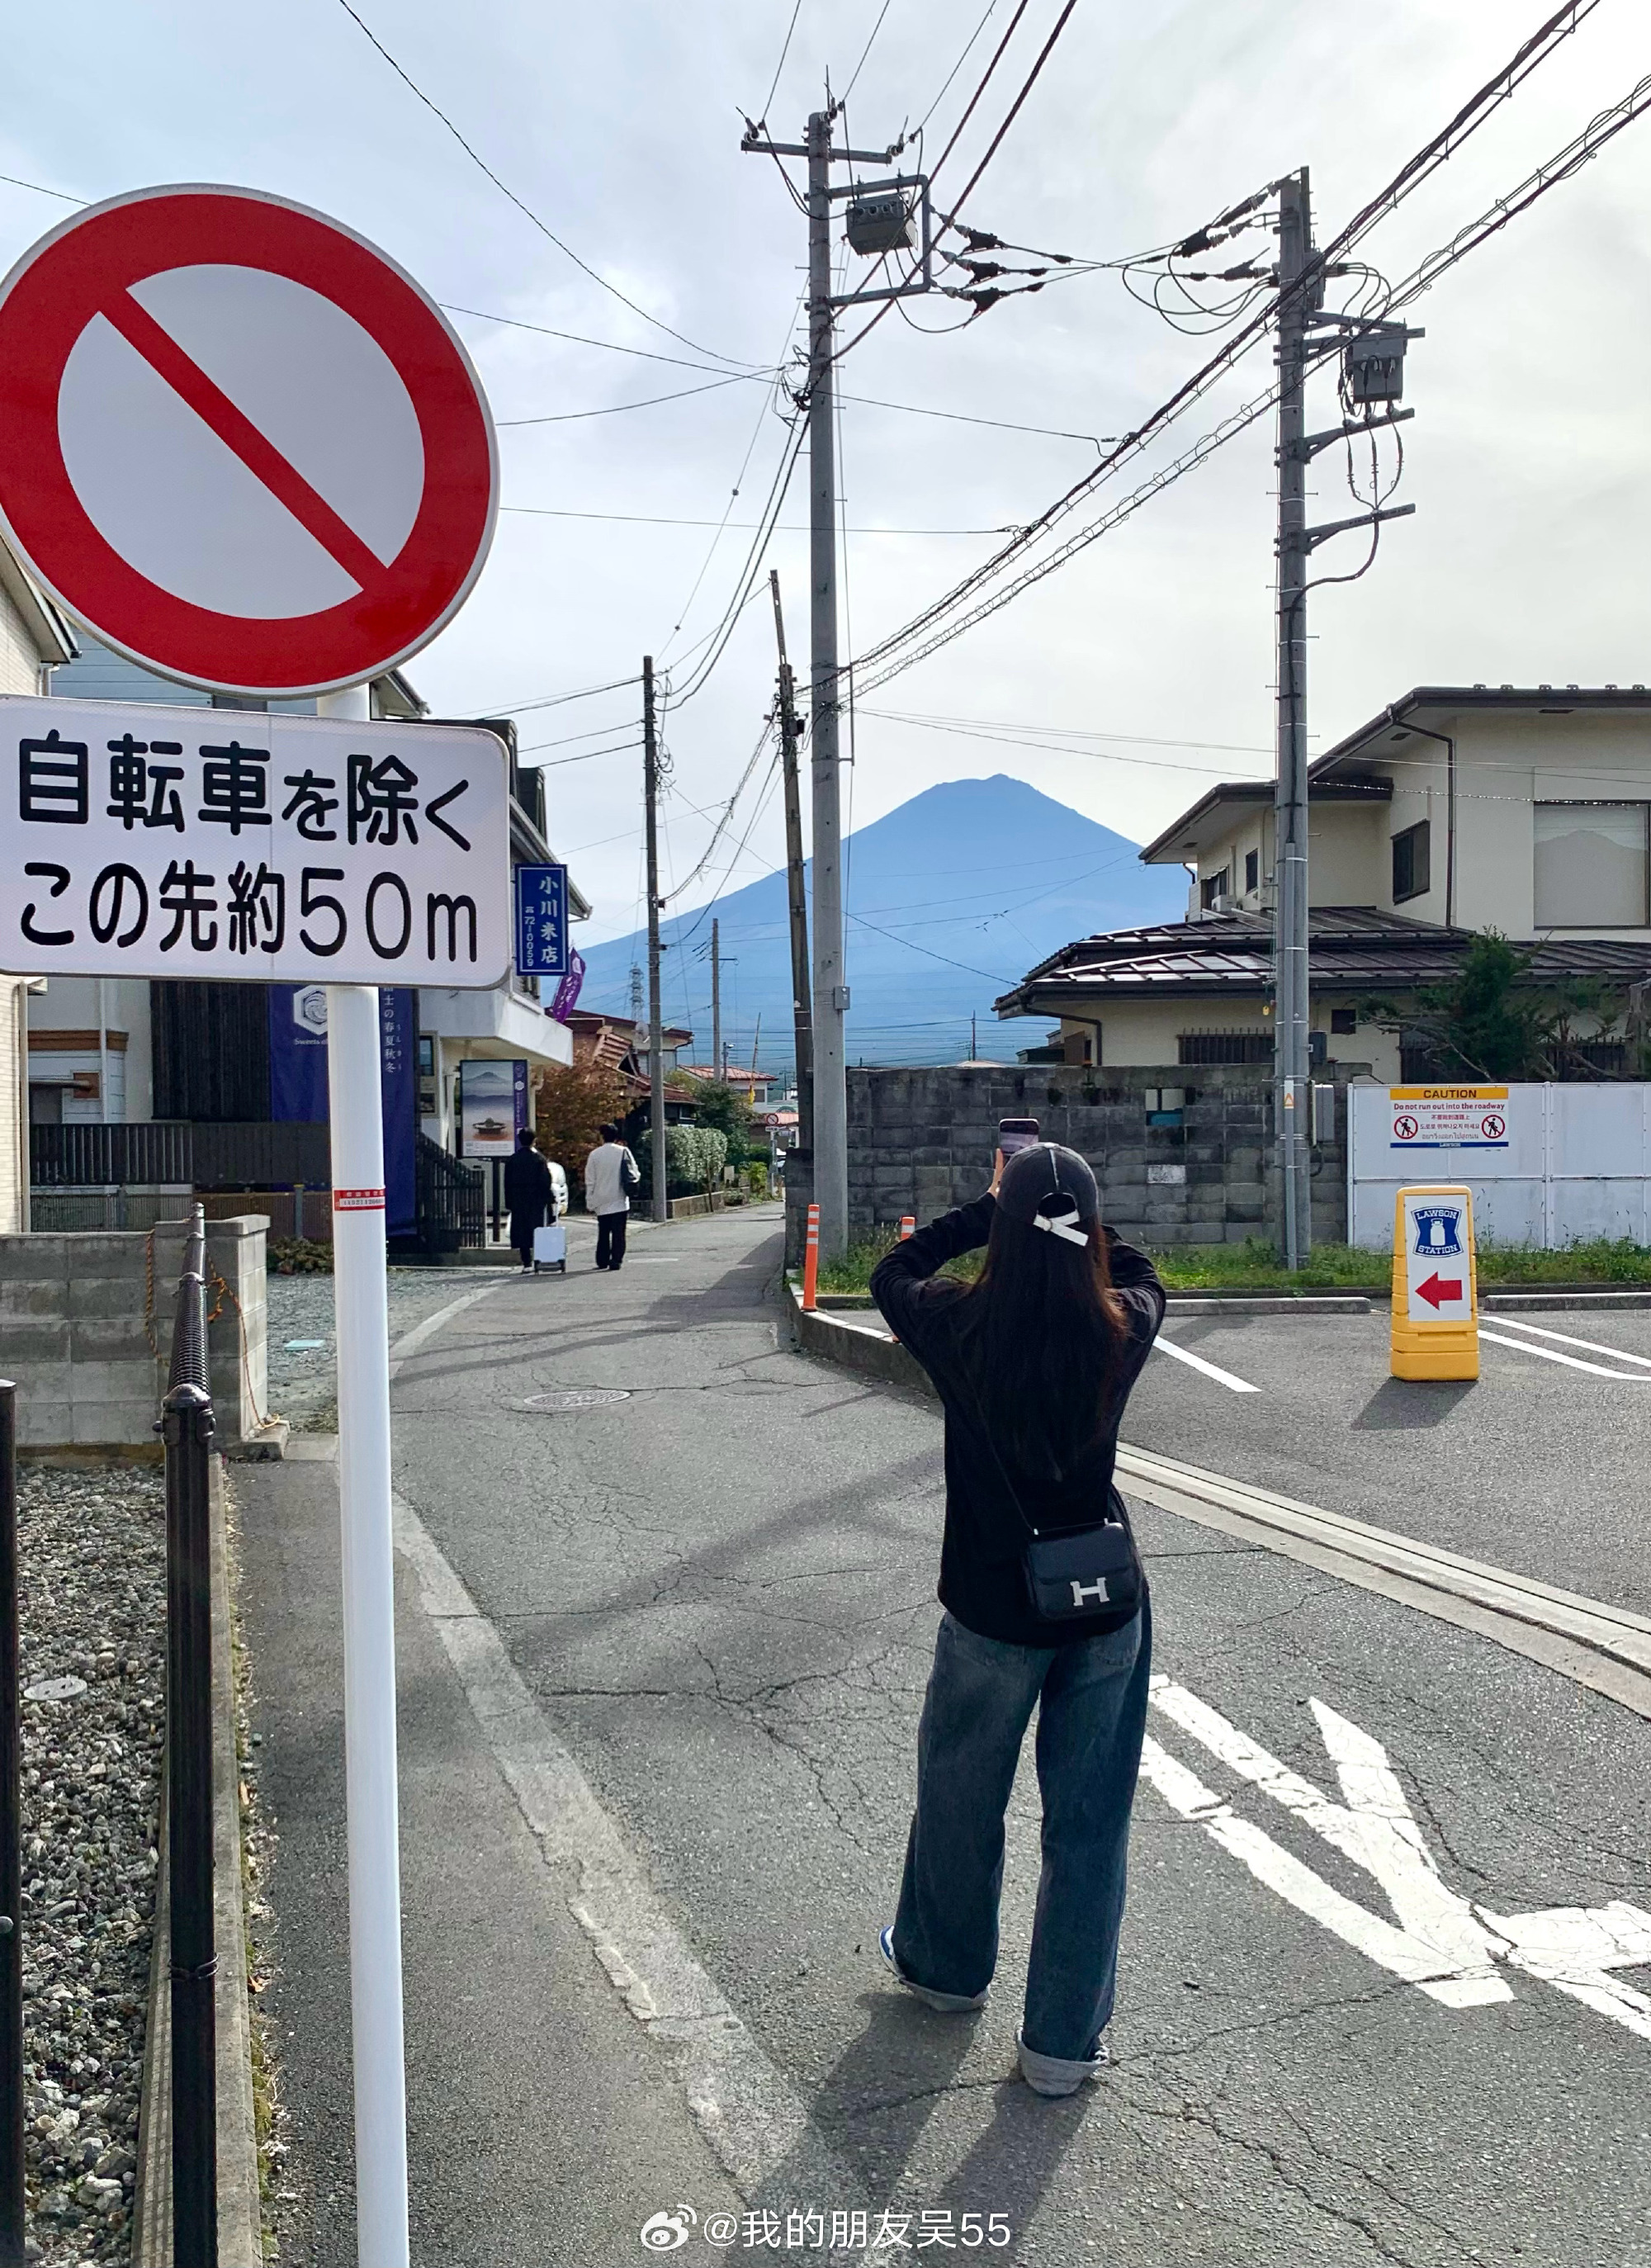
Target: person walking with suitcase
[1045, 1596]
[611, 1178]
[530, 1195]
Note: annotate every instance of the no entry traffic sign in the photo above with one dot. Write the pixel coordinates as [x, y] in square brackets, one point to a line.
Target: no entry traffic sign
[238, 443]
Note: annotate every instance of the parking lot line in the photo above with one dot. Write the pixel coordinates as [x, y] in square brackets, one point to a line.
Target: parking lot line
[1571, 1361]
[1591, 1346]
[1210, 1369]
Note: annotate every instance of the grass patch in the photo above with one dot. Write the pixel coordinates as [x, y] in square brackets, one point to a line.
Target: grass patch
[1257, 1266]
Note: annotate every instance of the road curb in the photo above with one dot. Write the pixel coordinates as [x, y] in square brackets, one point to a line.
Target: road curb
[240, 2241]
[1606, 1648]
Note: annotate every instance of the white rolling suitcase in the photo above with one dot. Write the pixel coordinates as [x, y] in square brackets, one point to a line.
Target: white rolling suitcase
[550, 1248]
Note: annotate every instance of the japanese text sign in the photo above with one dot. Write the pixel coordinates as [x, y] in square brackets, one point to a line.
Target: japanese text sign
[211, 842]
[541, 921]
[1448, 1117]
[240, 442]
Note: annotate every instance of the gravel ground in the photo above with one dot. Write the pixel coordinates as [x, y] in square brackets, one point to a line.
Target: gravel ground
[303, 1380]
[91, 1554]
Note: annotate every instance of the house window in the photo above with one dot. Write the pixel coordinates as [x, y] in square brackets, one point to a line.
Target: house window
[1590, 863]
[1213, 886]
[1344, 1020]
[1410, 862]
[1252, 871]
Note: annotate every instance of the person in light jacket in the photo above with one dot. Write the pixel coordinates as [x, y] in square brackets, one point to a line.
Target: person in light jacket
[610, 1174]
[529, 1193]
[1033, 1363]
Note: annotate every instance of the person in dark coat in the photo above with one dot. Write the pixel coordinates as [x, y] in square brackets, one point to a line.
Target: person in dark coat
[530, 1195]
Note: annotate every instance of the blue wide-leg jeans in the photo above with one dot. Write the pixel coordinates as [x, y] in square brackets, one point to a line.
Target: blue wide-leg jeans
[982, 1692]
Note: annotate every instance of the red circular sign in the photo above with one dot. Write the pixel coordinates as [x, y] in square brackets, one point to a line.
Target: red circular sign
[238, 443]
[1405, 1129]
[1493, 1127]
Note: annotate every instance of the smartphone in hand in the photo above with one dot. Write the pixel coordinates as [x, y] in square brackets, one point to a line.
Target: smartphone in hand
[1017, 1134]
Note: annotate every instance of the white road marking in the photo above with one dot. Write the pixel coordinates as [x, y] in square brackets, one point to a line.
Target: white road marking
[1445, 1945]
[1210, 1370]
[1440, 1940]
[1589, 1346]
[1571, 1361]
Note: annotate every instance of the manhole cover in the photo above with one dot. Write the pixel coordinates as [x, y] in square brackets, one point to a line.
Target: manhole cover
[580, 1397]
[54, 1689]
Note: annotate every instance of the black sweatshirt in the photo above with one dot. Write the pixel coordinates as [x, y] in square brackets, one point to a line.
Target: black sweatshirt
[981, 1576]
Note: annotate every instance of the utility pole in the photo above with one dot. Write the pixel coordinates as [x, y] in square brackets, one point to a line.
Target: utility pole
[655, 1025]
[718, 1068]
[879, 221]
[831, 993]
[1296, 304]
[791, 732]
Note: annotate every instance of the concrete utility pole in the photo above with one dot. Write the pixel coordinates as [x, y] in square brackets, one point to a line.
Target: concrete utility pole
[791, 732]
[1290, 817]
[830, 992]
[656, 1026]
[719, 1070]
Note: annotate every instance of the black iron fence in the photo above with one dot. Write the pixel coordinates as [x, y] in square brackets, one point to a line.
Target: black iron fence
[451, 1197]
[187, 1428]
[252, 1153]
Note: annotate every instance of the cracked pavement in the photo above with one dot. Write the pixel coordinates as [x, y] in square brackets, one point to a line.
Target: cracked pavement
[720, 1592]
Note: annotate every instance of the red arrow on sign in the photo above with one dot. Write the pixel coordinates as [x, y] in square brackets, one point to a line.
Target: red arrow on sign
[1436, 1290]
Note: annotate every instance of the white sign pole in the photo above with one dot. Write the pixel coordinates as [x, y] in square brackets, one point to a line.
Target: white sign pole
[361, 1298]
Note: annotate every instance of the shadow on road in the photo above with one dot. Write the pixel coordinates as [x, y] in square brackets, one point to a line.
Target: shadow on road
[1409, 1405]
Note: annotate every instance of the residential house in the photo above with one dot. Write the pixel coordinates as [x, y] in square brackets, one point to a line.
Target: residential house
[34, 639]
[1457, 809]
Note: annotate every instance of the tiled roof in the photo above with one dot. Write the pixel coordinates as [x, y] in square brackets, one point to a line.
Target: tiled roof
[1355, 948]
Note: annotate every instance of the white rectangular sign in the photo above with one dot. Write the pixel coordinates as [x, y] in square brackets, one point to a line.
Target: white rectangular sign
[1437, 1229]
[143, 841]
[1448, 1117]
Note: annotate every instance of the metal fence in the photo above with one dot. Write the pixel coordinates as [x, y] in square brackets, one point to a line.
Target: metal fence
[451, 1197]
[249, 1154]
[187, 1428]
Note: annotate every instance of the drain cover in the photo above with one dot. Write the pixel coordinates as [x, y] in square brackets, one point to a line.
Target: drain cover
[54, 1689]
[580, 1397]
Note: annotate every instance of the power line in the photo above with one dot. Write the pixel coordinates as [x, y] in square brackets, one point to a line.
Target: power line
[865, 51]
[789, 527]
[543, 227]
[615, 409]
[578, 338]
[784, 51]
[1416, 169]
[958, 66]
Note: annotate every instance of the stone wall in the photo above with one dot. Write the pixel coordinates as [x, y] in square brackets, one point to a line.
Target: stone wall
[1183, 1155]
[86, 1332]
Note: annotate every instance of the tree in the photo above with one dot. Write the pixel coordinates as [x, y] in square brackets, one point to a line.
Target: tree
[1494, 1020]
[717, 1104]
[575, 1101]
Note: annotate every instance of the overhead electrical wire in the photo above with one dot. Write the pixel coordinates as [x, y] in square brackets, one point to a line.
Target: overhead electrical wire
[543, 226]
[1467, 120]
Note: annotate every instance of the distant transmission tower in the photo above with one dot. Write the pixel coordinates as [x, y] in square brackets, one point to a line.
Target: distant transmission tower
[636, 992]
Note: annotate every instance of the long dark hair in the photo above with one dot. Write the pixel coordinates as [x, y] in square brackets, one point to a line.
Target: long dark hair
[1043, 1328]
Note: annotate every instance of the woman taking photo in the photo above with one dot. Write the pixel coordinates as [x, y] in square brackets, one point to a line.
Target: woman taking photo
[1045, 1596]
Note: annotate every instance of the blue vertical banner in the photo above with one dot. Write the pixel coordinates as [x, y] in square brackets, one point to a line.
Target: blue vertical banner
[541, 921]
[398, 1071]
[298, 1088]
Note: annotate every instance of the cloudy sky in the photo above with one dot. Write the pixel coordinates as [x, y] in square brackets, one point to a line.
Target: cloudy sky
[1143, 668]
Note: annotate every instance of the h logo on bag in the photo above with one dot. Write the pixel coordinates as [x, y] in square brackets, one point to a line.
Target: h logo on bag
[1097, 1590]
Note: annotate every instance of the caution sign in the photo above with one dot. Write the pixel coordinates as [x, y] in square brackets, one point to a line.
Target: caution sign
[1435, 1293]
[1448, 1117]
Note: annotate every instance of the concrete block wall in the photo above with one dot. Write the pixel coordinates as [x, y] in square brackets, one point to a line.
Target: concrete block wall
[86, 1333]
[920, 1141]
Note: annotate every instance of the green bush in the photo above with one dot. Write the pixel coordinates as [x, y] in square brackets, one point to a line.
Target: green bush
[695, 1158]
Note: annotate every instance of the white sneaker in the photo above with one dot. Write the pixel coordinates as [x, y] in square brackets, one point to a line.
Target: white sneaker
[1054, 2075]
[946, 2003]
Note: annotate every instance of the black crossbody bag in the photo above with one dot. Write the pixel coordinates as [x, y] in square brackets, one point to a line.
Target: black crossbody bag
[1077, 1571]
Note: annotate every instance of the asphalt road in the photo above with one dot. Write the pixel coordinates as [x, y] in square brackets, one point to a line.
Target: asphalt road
[718, 1594]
